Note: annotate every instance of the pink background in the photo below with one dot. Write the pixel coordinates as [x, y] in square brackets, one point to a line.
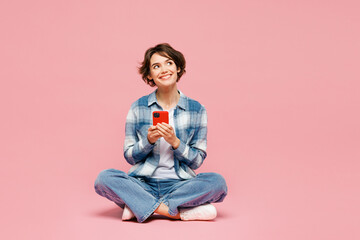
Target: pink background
[279, 79]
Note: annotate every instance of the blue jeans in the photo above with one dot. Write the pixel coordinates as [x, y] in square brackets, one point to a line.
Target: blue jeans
[144, 195]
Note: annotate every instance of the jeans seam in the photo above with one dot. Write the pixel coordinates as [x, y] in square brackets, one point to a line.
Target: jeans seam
[212, 200]
[142, 219]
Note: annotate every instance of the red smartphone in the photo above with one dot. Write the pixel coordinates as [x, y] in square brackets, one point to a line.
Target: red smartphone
[160, 116]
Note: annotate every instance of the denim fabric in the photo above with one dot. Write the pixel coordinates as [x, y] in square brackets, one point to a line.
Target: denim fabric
[143, 195]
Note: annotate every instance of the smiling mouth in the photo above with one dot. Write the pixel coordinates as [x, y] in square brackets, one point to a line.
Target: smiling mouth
[165, 77]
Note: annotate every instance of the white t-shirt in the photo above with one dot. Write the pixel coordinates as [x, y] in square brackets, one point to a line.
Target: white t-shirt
[165, 169]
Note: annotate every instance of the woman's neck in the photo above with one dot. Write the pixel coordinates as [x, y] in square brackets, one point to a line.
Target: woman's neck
[167, 98]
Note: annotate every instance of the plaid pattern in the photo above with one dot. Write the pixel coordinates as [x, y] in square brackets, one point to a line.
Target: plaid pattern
[190, 122]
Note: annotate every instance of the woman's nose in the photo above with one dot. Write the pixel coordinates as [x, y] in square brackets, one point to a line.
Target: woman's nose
[164, 69]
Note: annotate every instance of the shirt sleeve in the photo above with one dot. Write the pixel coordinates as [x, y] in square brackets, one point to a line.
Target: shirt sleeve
[135, 149]
[194, 153]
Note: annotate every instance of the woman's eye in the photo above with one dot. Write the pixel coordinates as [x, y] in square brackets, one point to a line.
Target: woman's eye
[169, 63]
[156, 66]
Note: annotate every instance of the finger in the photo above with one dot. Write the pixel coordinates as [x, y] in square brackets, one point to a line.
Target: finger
[165, 125]
[163, 132]
[155, 132]
[152, 128]
[165, 128]
[164, 135]
[161, 129]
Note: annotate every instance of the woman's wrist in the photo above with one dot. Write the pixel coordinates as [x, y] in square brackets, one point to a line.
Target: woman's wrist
[176, 143]
[152, 143]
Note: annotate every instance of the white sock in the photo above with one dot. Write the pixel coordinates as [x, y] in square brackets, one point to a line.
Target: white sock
[127, 214]
[202, 212]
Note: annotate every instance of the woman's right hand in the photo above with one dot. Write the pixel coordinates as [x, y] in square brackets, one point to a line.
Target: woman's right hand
[153, 134]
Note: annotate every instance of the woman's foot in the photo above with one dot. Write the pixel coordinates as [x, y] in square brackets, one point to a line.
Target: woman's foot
[202, 212]
[127, 214]
[164, 210]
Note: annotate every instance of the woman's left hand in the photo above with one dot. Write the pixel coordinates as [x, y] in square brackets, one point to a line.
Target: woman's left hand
[168, 133]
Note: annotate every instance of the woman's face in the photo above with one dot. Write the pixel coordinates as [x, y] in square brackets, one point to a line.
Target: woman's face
[163, 70]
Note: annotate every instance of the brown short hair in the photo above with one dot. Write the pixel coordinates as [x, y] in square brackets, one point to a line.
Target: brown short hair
[163, 49]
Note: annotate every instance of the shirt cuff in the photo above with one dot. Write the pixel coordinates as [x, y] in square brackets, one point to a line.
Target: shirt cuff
[145, 145]
[180, 151]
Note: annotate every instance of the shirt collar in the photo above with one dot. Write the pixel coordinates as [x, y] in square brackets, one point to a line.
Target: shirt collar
[182, 101]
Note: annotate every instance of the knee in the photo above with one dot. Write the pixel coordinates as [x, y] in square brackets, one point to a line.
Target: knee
[108, 175]
[220, 182]
[217, 181]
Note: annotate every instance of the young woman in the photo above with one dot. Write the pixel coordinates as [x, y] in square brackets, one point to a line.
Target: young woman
[164, 156]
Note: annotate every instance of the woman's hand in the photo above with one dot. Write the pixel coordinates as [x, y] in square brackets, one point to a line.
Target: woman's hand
[167, 132]
[153, 134]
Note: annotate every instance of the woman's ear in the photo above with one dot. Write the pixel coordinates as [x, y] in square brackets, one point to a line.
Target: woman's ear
[179, 69]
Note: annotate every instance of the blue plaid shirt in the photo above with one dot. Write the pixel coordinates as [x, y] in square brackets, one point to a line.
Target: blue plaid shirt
[190, 122]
